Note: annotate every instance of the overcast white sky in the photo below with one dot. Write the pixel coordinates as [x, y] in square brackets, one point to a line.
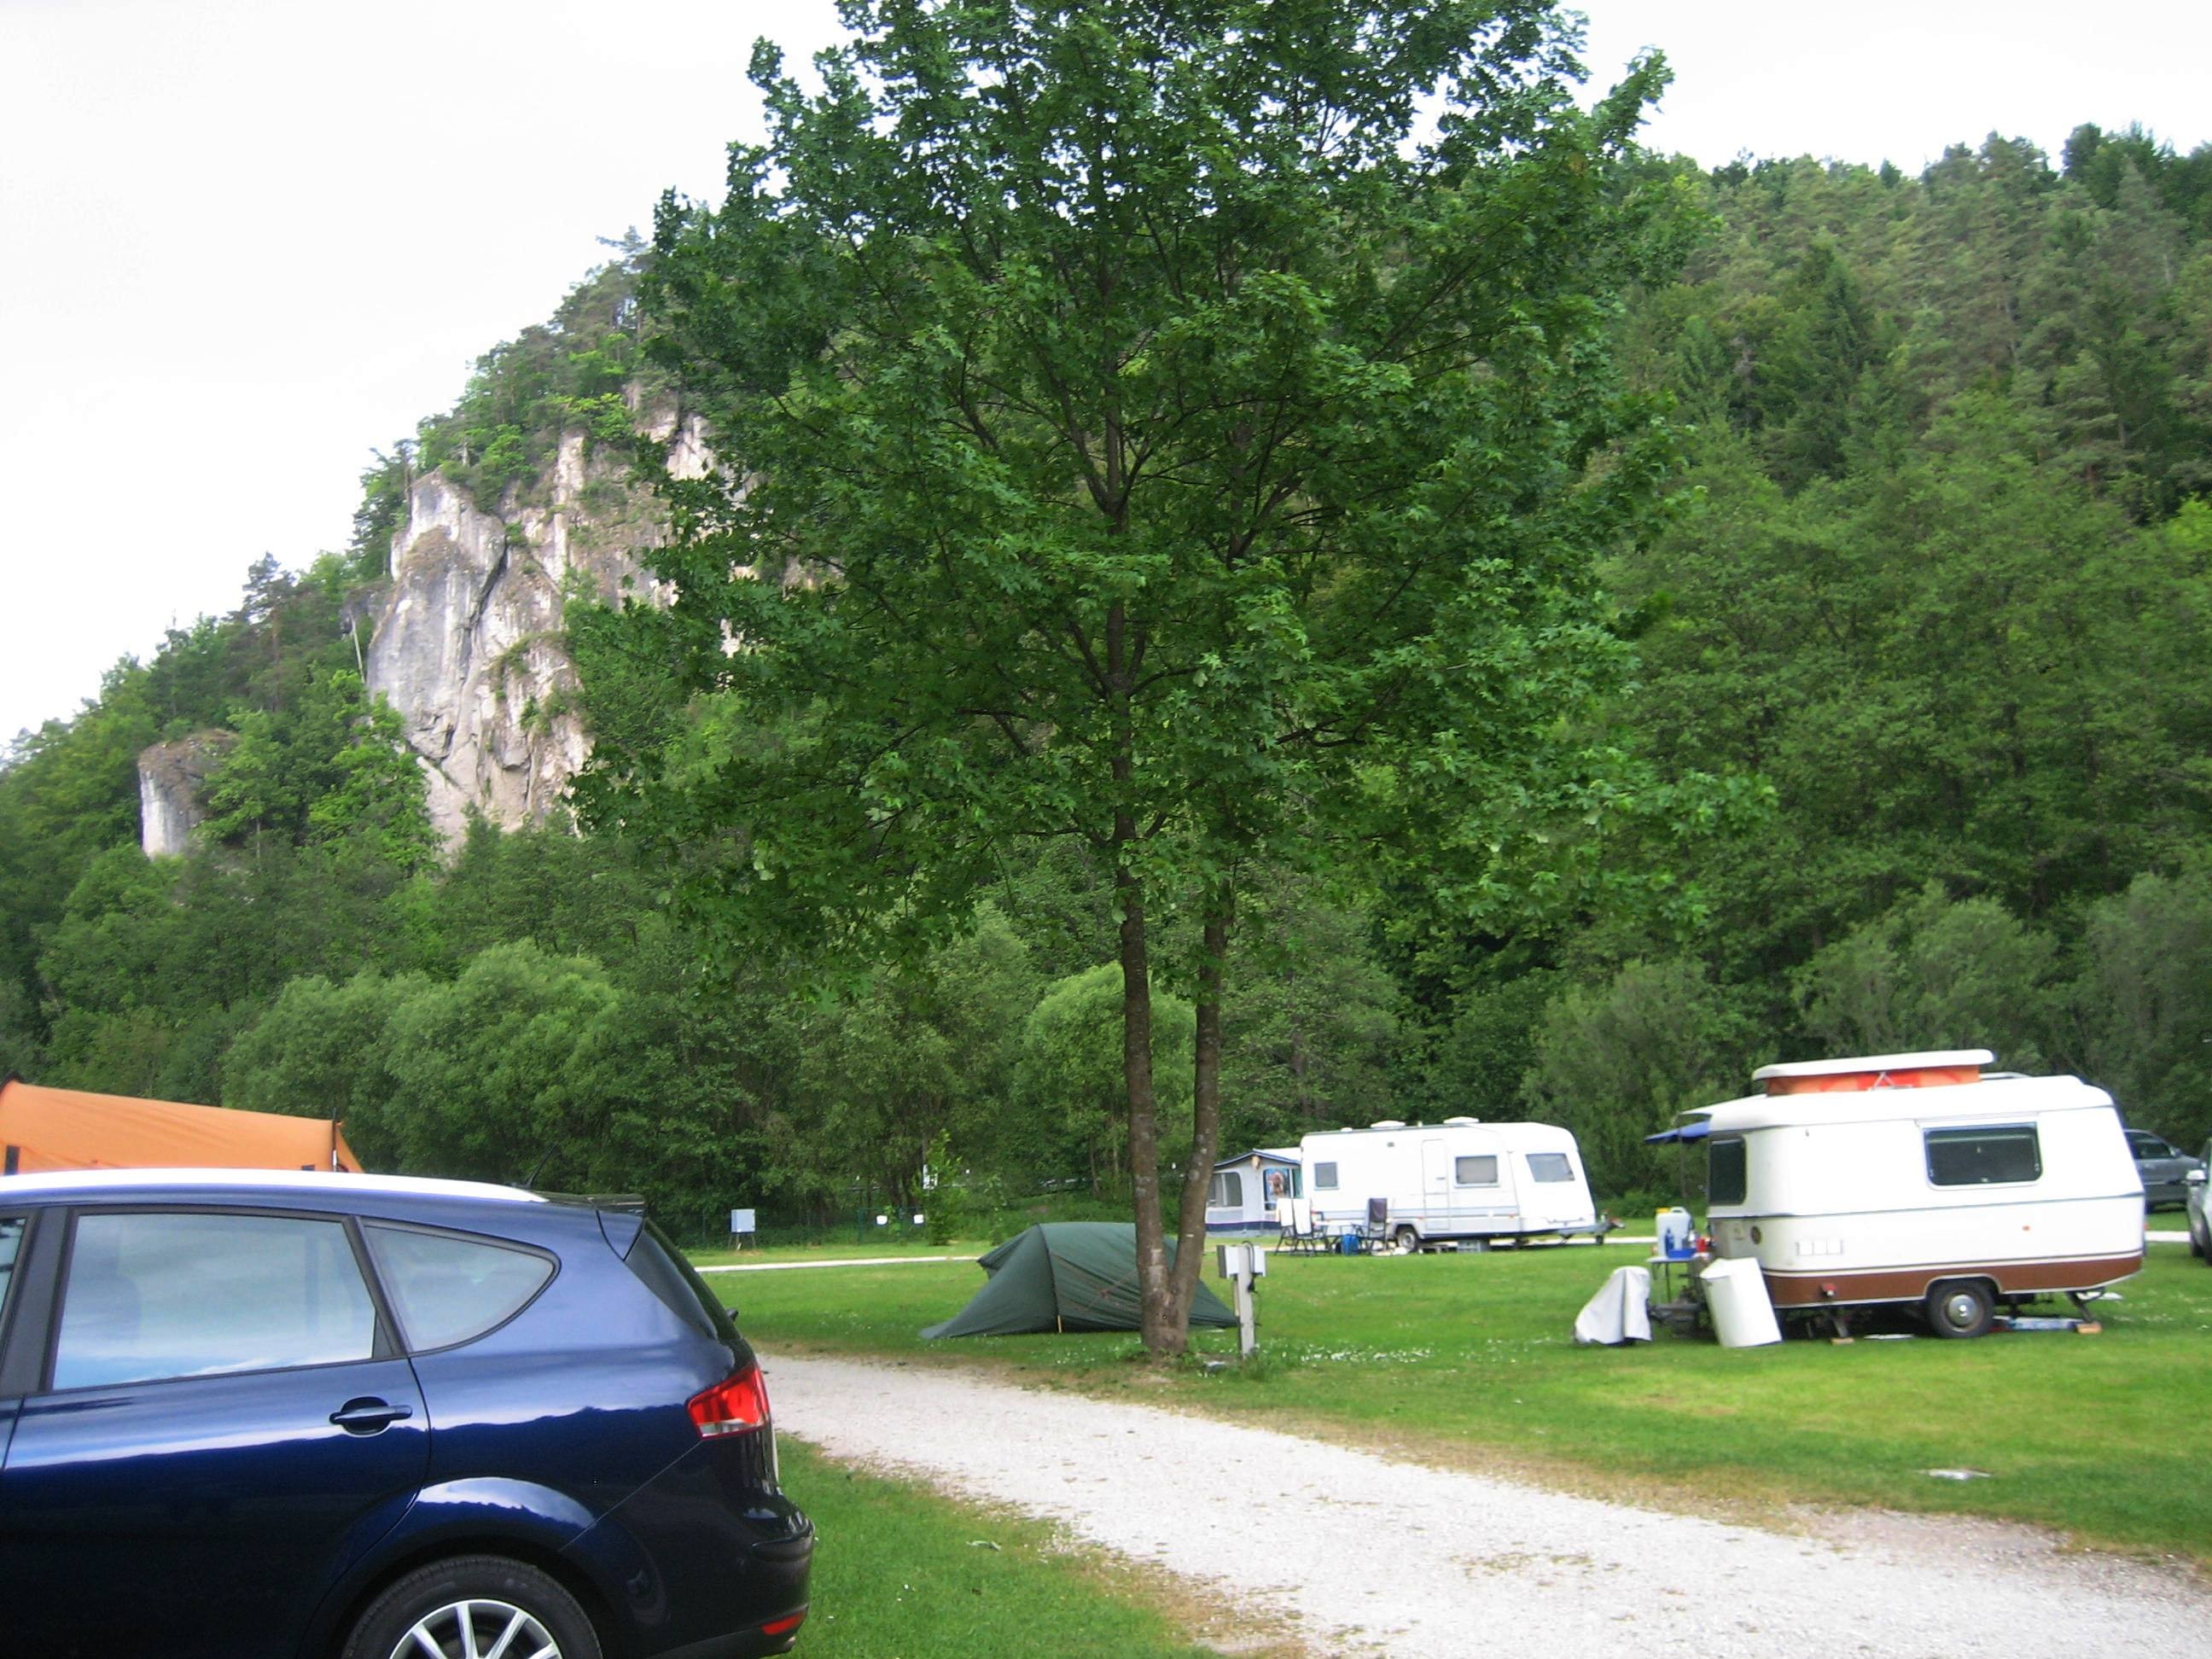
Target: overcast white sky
[244, 242]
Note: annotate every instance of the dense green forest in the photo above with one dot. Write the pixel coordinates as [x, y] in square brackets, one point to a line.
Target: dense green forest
[1920, 722]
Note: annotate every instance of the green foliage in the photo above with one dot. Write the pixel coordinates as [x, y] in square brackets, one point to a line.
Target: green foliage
[1073, 1118]
[320, 1050]
[385, 485]
[1310, 1042]
[583, 369]
[1615, 1062]
[886, 1071]
[335, 767]
[68, 791]
[1149, 466]
[2144, 1018]
[1486, 1053]
[1935, 973]
[507, 1074]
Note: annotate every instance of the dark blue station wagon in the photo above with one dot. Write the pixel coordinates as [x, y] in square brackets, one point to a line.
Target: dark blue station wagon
[248, 1414]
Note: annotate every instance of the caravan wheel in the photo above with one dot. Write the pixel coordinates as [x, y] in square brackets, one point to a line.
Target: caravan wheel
[1959, 1307]
[1407, 1241]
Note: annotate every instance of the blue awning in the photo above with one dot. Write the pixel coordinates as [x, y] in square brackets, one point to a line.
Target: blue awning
[1697, 1131]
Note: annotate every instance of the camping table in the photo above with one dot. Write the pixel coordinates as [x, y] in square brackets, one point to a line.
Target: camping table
[1669, 1295]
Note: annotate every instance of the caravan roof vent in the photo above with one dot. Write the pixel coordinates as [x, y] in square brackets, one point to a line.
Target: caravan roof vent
[1387, 1123]
[1933, 1070]
[1462, 1122]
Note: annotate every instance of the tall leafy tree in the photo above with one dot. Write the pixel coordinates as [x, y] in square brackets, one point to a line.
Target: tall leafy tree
[1167, 425]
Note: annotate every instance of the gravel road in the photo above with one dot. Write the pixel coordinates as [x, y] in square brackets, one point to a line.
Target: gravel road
[1369, 1556]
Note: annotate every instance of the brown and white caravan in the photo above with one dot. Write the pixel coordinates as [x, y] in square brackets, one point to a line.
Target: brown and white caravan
[1914, 1178]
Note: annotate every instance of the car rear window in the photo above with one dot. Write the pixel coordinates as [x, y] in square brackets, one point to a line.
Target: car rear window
[661, 1268]
[152, 1295]
[449, 1288]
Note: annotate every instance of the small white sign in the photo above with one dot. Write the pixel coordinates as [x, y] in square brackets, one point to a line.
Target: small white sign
[741, 1221]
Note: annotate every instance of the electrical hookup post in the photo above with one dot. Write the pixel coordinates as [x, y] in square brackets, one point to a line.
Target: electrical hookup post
[1240, 1265]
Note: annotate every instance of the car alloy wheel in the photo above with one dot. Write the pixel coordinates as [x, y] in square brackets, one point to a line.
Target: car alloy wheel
[475, 1607]
[477, 1630]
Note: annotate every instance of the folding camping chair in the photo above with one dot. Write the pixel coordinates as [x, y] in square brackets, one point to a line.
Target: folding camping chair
[1375, 1232]
[1299, 1235]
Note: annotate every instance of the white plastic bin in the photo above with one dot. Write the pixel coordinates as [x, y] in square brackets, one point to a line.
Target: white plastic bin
[1735, 1290]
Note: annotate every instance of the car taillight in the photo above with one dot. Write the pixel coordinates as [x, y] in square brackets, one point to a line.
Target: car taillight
[736, 1405]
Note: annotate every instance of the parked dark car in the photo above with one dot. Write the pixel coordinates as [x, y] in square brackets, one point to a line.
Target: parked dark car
[2163, 1168]
[259, 1413]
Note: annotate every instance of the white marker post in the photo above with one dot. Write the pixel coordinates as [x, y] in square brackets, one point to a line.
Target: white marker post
[1240, 1264]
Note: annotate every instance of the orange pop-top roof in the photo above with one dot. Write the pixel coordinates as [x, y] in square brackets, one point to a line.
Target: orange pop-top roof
[1934, 1070]
[69, 1129]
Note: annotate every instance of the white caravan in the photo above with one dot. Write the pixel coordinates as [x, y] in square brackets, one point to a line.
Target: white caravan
[1419, 1183]
[1913, 1178]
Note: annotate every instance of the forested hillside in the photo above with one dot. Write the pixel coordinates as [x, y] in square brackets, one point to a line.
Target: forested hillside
[1921, 732]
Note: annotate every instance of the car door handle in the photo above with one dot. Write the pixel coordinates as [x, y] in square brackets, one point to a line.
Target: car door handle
[367, 1415]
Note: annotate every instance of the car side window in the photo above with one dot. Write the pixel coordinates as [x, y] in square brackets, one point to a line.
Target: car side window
[151, 1295]
[11, 1246]
[450, 1287]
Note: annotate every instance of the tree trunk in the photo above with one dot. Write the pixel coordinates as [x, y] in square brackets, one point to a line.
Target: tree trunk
[1206, 1113]
[1162, 1333]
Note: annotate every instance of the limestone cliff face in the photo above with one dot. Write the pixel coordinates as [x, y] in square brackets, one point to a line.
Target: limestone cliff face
[173, 780]
[469, 647]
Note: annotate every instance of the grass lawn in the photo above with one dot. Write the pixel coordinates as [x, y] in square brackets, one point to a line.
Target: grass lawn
[901, 1571]
[1466, 1360]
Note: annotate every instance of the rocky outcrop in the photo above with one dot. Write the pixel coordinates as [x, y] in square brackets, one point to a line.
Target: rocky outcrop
[173, 780]
[469, 647]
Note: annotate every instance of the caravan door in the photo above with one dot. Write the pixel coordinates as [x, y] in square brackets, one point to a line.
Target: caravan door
[1436, 1186]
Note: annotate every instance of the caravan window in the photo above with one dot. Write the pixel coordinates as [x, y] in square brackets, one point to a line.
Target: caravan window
[1550, 1166]
[1985, 1156]
[1727, 1175]
[1325, 1177]
[1476, 1171]
[1228, 1192]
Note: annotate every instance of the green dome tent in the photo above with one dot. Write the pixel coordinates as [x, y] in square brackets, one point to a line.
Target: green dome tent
[1067, 1276]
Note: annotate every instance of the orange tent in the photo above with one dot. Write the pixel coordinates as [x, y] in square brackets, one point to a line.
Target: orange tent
[65, 1129]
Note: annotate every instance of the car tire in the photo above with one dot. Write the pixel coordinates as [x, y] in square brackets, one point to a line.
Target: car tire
[1961, 1307]
[495, 1594]
[1407, 1241]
